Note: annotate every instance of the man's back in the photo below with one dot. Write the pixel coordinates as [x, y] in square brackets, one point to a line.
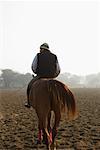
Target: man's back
[46, 64]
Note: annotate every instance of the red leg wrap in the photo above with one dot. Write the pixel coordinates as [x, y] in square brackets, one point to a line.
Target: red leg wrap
[51, 136]
[40, 135]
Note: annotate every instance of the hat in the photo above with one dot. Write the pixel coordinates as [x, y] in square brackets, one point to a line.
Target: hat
[44, 46]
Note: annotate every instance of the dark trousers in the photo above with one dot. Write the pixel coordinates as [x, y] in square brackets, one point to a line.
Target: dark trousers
[29, 87]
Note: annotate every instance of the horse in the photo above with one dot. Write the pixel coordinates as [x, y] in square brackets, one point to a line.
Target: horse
[51, 95]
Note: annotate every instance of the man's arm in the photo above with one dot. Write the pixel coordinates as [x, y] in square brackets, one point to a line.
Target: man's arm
[57, 68]
[34, 65]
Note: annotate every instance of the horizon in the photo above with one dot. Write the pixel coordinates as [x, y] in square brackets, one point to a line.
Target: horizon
[61, 73]
[72, 30]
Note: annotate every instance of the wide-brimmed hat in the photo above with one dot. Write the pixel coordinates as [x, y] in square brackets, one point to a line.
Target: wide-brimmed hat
[44, 46]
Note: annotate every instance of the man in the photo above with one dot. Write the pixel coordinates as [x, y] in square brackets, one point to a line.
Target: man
[45, 65]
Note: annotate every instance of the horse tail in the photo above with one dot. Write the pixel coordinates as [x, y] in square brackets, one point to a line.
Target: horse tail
[71, 103]
[64, 97]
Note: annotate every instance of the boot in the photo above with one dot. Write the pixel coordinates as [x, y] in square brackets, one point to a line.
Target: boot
[27, 105]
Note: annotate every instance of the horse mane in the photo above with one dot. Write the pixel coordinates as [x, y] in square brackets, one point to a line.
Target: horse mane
[65, 96]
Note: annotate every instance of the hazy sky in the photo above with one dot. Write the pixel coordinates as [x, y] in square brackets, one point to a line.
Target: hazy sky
[71, 28]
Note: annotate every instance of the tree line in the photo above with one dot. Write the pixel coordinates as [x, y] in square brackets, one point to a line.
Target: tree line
[88, 81]
[12, 79]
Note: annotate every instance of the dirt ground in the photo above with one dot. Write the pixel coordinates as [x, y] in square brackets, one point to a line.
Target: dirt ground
[18, 125]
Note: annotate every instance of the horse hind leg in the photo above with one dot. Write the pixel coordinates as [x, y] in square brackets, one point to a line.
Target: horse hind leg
[54, 130]
[48, 139]
[39, 132]
[45, 139]
[51, 139]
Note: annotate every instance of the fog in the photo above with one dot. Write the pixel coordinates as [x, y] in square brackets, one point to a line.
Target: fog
[12, 79]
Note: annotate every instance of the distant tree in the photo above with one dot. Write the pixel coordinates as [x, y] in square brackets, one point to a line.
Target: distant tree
[70, 79]
[22, 80]
[13, 79]
[1, 82]
[74, 80]
[64, 77]
[93, 80]
[8, 77]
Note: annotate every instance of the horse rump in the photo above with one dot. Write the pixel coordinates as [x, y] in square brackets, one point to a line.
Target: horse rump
[62, 98]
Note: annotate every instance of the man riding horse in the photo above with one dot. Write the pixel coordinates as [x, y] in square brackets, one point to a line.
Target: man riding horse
[45, 65]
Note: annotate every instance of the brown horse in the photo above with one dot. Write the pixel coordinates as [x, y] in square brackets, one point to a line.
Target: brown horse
[48, 95]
